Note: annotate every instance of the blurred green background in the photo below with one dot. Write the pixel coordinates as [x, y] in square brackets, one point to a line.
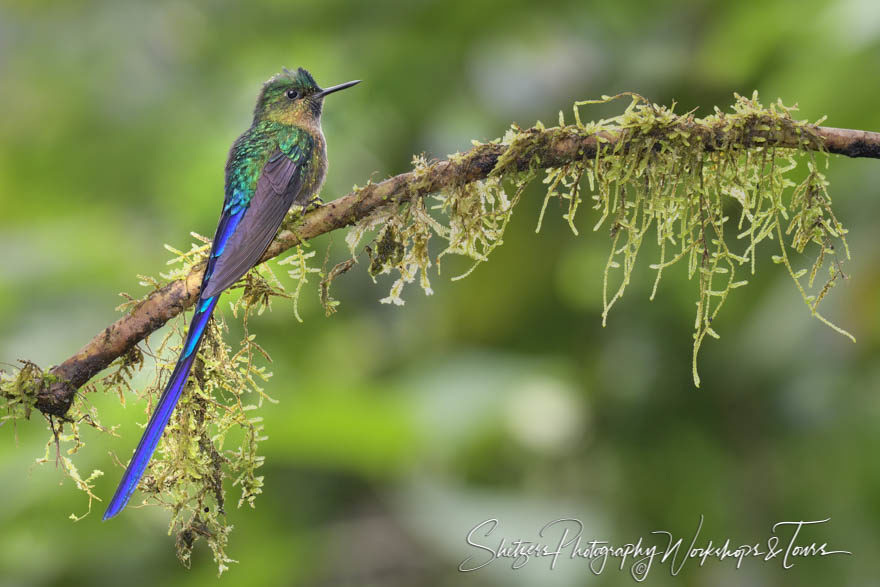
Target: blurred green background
[399, 429]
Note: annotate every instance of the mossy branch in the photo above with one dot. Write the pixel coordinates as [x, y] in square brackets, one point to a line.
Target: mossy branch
[709, 191]
[535, 148]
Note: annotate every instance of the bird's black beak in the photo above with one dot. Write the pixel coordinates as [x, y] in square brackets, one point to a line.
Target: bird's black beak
[332, 89]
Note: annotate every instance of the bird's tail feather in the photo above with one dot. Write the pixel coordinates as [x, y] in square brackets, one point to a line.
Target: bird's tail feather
[162, 413]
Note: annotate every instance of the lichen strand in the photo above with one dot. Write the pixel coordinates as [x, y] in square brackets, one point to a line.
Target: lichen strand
[654, 174]
[670, 178]
[18, 391]
[214, 435]
[469, 217]
[65, 441]
[18, 394]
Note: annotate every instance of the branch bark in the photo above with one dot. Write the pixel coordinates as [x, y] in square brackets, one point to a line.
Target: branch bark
[553, 147]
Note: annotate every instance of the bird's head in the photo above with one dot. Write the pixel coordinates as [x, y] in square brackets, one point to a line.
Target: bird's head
[293, 97]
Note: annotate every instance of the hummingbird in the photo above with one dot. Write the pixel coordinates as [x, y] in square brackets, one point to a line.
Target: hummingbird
[279, 162]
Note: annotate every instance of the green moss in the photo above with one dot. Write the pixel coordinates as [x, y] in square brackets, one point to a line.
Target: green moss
[18, 391]
[654, 175]
[470, 217]
[669, 178]
[19, 387]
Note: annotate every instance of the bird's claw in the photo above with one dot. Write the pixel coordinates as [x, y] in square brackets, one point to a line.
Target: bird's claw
[313, 204]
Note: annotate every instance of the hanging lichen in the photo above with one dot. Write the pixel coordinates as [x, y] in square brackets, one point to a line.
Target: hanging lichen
[655, 174]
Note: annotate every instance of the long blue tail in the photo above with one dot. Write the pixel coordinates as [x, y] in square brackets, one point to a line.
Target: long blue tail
[153, 432]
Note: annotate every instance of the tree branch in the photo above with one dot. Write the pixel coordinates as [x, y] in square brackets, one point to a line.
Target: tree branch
[545, 148]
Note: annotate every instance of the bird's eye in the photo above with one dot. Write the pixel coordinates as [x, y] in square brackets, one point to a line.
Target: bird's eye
[292, 94]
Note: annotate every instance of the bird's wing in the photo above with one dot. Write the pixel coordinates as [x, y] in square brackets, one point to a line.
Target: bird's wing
[246, 229]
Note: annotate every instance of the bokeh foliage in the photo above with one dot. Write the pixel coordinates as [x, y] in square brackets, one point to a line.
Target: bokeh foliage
[398, 430]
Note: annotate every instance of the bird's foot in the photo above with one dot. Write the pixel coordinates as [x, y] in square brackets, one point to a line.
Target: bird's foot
[313, 204]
